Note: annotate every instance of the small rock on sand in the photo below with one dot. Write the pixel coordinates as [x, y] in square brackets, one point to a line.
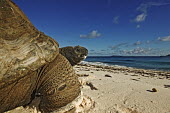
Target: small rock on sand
[108, 75]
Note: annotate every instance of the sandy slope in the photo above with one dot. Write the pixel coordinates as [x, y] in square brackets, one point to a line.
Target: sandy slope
[122, 90]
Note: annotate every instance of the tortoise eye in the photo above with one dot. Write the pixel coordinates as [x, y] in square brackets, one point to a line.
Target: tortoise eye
[82, 55]
[78, 50]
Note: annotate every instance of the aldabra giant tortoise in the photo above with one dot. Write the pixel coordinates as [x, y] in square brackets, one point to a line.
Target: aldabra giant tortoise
[30, 64]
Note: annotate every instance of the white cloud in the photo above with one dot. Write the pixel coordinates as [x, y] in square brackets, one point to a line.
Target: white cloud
[141, 17]
[157, 3]
[137, 43]
[93, 34]
[164, 39]
[137, 51]
[116, 20]
[99, 53]
[92, 50]
[117, 46]
[147, 41]
[138, 26]
[143, 8]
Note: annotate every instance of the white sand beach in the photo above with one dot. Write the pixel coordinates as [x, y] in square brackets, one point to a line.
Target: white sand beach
[122, 90]
[126, 90]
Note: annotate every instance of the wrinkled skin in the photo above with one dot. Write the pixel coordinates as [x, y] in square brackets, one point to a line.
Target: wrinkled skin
[31, 64]
[74, 54]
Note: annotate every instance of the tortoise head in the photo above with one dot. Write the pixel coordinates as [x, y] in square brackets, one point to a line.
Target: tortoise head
[74, 54]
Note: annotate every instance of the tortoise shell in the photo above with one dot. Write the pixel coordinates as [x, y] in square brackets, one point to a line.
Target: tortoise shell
[23, 48]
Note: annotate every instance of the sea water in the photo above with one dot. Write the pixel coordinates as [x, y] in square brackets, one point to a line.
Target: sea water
[142, 62]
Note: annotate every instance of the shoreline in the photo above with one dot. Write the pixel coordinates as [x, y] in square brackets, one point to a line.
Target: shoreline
[153, 73]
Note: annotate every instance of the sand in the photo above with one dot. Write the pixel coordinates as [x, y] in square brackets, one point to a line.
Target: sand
[122, 90]
[126, 90]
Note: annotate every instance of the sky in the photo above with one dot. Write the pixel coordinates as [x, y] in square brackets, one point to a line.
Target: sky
[104, 27]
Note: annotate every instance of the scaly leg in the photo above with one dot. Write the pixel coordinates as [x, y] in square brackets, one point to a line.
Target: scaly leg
[58, 85]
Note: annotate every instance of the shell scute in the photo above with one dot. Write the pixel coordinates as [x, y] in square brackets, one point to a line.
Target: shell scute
[23, 49]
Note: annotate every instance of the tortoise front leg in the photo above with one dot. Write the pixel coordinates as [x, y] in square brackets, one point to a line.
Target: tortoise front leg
[58, 85]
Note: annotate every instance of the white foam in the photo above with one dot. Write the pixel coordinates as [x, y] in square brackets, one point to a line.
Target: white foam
[100, 64]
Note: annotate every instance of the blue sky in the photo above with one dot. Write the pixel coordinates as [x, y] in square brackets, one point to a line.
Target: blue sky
[105, 27]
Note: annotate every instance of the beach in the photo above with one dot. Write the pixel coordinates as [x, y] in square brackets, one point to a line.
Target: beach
[126, 90]
[115, 89]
